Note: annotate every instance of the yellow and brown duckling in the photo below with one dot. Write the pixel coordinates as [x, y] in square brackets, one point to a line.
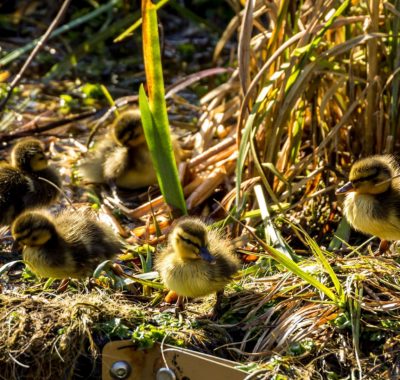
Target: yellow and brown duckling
[196, 262]
[29, 156]
[71, 244]
[25, 183]
[14, 186]
[123, 158]
[372, 203]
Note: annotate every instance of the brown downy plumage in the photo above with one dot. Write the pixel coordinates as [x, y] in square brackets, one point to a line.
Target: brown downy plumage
[21, 186]
[123, 157]
[71, 244]
[372, 203]
[197, 261]
[28, 156]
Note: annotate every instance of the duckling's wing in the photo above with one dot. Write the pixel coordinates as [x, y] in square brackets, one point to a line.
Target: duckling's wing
[15, 187]
[46, 183]
[164, 260]
[227, 264]
[102, 243]
[116, 163]
[387, 208]
[54, 260]
[139, 171]
[90, 169]
[93, 240]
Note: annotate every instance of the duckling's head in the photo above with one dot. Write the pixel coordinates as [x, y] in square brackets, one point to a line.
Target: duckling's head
[189, 240]
[29, 155]
[127, 129]
[33, 229]
[371, 175]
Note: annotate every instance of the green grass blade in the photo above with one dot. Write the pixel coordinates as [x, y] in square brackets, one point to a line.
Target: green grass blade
[154, 114]
[318, 253]
[294, 268]
[159, 142]
[272, 234]
[342, 234]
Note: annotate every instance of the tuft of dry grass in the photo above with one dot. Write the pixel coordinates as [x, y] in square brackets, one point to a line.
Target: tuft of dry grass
[46, 336]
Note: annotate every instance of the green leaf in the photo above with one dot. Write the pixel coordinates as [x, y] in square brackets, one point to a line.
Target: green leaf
[154, 114]
[293, 267]
[159, 142]
[6, 267]
[104, 266]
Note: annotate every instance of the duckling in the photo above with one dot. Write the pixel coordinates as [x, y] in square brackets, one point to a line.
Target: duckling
[123, 158]
[70, 244]
[29, 157]
[372, 203]
[196, 262]
[21, 186]
[14, 187]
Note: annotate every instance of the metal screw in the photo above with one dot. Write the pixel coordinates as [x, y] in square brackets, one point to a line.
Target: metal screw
[165, 374]
[120, 370]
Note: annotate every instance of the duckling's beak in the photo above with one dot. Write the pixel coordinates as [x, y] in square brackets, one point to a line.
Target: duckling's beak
[346, 188]
[206, 255]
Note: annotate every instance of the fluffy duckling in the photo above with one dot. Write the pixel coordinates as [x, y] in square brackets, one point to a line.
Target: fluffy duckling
[123, 158]
[14, 187]
[196, 262]
[21, 186]
[71, 244]
[372, 203]
[29, 156]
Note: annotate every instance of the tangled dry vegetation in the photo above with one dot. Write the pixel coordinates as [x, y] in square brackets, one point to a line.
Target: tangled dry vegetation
[312, 87]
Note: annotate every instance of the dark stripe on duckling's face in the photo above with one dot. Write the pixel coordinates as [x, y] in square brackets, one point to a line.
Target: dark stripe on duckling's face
[188, 241]
[132, 137]
[33, 229]
[352, 185]
[369, 169]
[366, 178]
[370, 175]
[22, 235]
[193, 230]
[191, 247]
[34, 238]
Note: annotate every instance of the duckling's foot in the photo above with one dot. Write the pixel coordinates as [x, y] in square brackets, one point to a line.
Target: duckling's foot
[217, 307]
[383, 246]
[63, 285]
[180, 306]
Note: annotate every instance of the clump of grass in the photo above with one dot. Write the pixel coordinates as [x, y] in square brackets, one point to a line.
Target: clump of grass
[46, 336]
